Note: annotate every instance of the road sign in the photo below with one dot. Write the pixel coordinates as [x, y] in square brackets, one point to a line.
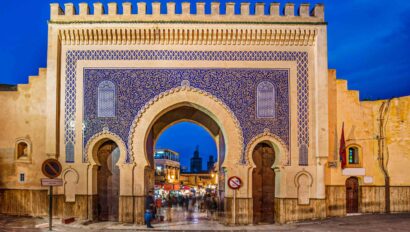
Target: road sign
[51, 182]
[51, 168]
[234, 182]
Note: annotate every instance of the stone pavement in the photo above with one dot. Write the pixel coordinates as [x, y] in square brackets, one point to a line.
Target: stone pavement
[378, 222]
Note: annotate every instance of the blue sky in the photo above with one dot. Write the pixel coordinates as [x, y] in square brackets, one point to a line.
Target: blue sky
[183, 137]
[368, 41]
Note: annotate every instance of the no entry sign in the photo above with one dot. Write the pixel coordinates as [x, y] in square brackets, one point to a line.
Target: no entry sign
[234, 182]
[51, 168]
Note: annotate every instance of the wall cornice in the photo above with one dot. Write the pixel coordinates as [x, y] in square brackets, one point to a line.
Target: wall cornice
[188, 36]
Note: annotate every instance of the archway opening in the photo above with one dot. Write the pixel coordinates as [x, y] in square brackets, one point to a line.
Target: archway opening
[108, 181]
[352, 195]
[185, 148]
[263, 183]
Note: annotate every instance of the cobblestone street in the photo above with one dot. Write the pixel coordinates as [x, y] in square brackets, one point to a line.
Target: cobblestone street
[392, 222]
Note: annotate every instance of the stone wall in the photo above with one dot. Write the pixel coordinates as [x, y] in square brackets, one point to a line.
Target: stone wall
[362, 129]
[361, 125]
[288, 210]
[23, 202]
[23, 119]
[335, 201]
[400, 199]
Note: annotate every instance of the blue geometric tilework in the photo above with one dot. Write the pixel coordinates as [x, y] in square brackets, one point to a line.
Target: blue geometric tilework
[137, 86]
[95, 125]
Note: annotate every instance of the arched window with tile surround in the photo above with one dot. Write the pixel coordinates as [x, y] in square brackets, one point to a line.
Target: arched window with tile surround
[106, 99]
[265, 103]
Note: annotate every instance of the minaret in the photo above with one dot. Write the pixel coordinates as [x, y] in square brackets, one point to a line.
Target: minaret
[210, 163]
[196, 161]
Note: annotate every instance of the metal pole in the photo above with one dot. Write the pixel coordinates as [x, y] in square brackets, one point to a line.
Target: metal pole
[234, 206]
[50, 209]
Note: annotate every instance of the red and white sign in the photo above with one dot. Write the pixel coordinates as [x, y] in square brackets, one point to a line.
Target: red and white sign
[51, 182]
[234, 182]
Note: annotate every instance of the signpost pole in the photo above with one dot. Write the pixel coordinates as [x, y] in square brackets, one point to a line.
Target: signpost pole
[234, 183]
[51, 168]
[234, 206]
[50, 210]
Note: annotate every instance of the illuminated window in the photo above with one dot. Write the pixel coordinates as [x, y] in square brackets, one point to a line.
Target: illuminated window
[265, 94]
[106, 99]
[353, 155]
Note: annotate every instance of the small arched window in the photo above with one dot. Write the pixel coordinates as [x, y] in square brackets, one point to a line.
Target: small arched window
[265, 104]
[106, 99]
[23, 150]
[69, 152]
[353, 155]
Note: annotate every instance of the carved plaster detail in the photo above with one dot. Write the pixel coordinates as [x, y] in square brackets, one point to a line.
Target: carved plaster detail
[71, 178]
[184, 88]
[234, 36]
[303, 182]
[284, 158]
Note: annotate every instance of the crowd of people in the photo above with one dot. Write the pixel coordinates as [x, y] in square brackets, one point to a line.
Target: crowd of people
[160, 206]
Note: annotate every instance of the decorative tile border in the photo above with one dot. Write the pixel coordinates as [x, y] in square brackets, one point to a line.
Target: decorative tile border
[301, 59]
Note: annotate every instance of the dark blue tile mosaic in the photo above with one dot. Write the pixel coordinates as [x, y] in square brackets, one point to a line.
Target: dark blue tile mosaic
[235, 87]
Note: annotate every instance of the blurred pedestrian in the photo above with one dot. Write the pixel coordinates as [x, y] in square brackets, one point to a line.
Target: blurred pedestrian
[149, 209]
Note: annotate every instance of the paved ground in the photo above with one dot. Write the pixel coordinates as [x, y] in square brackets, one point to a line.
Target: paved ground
[384, 223]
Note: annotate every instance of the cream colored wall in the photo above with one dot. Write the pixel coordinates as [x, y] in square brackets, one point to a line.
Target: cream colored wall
[23, 115]
[397, 138]
[317, 80]
[361, 127]
[289, 35]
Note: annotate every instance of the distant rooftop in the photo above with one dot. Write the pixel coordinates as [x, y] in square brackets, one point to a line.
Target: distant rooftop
[5, 87]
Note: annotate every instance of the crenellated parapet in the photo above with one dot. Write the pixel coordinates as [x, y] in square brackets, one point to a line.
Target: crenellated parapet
[110, 13]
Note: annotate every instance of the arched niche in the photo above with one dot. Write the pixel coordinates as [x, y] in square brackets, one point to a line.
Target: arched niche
[303, 182]
[91, 156]
[23, 150]
[71, 178]
[282, 158]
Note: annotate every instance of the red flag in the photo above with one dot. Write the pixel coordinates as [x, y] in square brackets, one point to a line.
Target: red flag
[342, 149]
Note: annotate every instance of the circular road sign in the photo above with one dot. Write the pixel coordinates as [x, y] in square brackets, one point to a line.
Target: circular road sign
[234, 182]
[51, 168]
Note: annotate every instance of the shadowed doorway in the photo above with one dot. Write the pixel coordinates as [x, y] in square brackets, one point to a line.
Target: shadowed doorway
[263, 184]
[352, 195]
[108, 181]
